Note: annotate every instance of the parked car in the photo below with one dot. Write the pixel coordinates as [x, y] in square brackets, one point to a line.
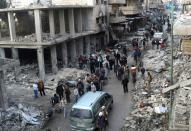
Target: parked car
[140, 32]
[161, 36]
[84, 113]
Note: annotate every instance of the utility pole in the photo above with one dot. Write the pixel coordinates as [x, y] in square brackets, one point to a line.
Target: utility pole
[172, 40]
[171, 63]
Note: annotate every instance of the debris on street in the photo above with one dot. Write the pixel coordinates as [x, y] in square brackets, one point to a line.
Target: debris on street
[19, 116]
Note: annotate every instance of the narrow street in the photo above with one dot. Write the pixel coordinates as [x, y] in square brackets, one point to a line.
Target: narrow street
[122, 103]
[121, 107]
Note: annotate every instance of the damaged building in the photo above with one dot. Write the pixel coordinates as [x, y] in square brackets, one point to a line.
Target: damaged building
[52, 34]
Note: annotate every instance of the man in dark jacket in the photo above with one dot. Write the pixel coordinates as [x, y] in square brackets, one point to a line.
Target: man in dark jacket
[60, 91]
[125, 82]
[41, 87]
[80, 86]
[101, 123]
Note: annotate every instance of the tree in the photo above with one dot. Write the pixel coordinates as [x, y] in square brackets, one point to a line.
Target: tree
[3, 4]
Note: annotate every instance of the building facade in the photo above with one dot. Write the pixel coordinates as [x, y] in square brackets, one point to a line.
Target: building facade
[60, 30]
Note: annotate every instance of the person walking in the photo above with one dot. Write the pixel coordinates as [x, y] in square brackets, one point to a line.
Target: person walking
[120, 73]
[67, 93]
[60, 91]
[133, 73]
[153, 43]
[35, 89]
[80, 86]
[41, 87]
[149, 80]
[126, 71]
[92, 65]
[144, 43]
[93, 87]
[105, 114]
[125, 82]
[142, 71]
[101, 123]
[76, 94]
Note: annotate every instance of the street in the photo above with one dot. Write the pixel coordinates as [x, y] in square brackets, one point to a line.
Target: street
[122, 103]
[121, 107]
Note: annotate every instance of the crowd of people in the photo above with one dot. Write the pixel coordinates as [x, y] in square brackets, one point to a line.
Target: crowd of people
[100, 65]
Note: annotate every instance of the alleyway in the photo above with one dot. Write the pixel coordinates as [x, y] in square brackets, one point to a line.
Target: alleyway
[122, 103]
[121, 108]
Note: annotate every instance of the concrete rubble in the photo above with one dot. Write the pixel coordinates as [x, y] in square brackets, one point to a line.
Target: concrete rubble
[156, 61]
[151, 106]
[150, 109]
[19, 89]
[19, 117]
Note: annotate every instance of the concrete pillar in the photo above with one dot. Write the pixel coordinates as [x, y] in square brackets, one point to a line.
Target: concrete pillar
[3, 93]
[15, 53]
[62, 22]
[87, 46]
[79, 20]
[54, 59]
[2, 53]
[12, 31]
[71, 21]
[51, 23]
[73, 52]
[81, 46]
[64, 54]
[40, 55]
[38, 25]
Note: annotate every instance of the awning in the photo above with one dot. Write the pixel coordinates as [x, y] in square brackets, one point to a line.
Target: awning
[182, 26]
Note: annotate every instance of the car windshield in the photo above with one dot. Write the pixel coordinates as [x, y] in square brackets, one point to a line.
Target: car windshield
[81, 113]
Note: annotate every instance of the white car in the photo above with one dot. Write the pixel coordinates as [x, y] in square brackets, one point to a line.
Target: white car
[161, 36]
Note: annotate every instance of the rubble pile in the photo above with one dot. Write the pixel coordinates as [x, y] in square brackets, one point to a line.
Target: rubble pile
[150, 111]
[25, 75]
[182, 68]
[150, 108]
[65, 75]
[156, 61]
[19, 117]
[182, 103]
